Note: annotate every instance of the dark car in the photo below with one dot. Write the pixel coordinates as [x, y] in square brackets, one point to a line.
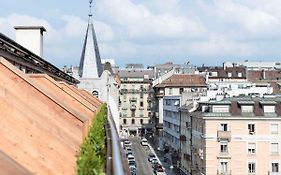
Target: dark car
[151, 156]
[132, 163]
[159, 169]
[133, 170]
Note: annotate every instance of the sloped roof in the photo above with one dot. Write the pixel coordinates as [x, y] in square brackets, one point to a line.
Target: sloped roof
[135, 73]
[14, 52]
[90, 62]
[9, 166]
[53, 89]
[89, 96]
[75, 92]
[38, 131]
[223, 72]
[184, 80]
[254, 75]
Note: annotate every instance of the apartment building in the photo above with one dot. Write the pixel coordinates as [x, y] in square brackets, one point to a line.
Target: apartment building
[135, 99]
[238, 135]
[176, 90]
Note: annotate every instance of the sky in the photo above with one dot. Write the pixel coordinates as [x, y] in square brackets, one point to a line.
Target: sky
[153, 31]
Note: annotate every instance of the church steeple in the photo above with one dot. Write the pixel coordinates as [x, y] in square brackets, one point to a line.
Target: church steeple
[90, 63]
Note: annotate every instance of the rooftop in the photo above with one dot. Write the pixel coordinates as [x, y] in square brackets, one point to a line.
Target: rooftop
[184, 80]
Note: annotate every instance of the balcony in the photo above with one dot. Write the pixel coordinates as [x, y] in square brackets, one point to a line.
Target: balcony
[133, 99]
[182, 138]
[133, 107]
[187, 157]
[224, 135]
[228, 172]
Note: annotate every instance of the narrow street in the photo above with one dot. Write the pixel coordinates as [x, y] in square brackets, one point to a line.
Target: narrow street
[141, 153]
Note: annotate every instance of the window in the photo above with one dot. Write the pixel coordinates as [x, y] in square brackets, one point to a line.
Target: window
[274, 148]
[124, 121]
[133, 121]
[275, 167]
[251, 128]
[247, 108]
[223, 147]
[239, 74]
[170, 91]
[141, 121]
[168, 102]
[141, 95]
[229, 74]
[181, 90]
[269, 109]
[95, 93]
[223, 127]
[251, 167]
[141, 104]
[274, 128]
[223, 167]
[251, 148]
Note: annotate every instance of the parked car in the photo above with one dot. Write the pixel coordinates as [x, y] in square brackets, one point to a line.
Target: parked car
[133, 170]
[132, 163]
[150, 157]
[129, 151]
[159, 170]
[154, 161]
[126, 143]
[144, 142]
[155, 166]
[131, 158]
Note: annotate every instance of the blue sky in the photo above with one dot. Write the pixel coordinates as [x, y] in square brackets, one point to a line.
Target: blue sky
[154, 31]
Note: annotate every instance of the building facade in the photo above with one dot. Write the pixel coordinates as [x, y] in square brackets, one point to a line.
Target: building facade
[238, 135]
[135, 100]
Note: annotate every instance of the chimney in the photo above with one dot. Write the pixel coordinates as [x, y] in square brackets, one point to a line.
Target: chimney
[31, 37]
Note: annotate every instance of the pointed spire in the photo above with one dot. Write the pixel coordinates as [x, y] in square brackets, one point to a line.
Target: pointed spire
[90, 63]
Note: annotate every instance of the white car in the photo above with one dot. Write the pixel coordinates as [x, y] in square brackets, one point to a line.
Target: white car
[131, 158]
[144, 142]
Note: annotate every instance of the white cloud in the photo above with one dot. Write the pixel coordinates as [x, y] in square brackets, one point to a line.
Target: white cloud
[254, 22]
[74, 26]
[141, 23]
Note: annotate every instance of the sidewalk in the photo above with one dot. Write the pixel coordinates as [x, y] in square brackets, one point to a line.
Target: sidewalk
[166, 165]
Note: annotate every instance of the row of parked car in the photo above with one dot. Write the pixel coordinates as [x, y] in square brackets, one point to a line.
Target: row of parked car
[127, 145]
[158, 169]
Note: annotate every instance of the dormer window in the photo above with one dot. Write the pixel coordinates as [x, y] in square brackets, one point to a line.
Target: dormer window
[268, 106]
[239, 74]
[269, 109]
[220, 108]
[229, 74]
[247, 108]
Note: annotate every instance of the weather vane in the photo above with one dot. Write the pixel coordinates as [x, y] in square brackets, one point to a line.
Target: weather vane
[90, 1]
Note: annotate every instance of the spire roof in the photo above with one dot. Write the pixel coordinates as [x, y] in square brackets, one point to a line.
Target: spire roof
[90, 62]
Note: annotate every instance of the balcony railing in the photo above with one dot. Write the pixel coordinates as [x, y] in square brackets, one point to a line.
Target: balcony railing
[224, 135]
[133, 107]
[228, 172]
[133, 99]
[114, 163]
